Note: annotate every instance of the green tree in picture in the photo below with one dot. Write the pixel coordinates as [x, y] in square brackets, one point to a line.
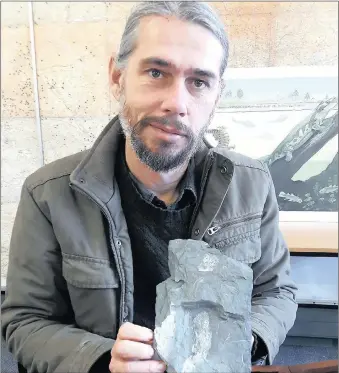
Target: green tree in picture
[228, 94]
[295, 94]
[240, 94]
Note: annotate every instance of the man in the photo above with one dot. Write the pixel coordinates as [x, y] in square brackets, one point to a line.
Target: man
[90, 239]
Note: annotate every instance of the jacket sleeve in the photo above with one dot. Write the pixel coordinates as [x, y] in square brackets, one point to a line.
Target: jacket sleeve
[35, 314]
[274, 303]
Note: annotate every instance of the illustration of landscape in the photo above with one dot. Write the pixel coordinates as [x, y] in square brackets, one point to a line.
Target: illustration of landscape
[291, 124]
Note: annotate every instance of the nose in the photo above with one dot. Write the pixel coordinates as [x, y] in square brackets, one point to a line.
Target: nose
[175, 99]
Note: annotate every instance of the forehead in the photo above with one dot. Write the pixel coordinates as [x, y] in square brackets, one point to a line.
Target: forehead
[185, 45]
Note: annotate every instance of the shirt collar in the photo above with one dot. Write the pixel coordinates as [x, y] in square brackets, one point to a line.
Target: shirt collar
[187, 186]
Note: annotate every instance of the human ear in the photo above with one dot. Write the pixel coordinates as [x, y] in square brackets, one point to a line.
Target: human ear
[115, 79]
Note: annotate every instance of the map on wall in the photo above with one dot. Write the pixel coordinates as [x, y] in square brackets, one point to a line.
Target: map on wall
[290, 122]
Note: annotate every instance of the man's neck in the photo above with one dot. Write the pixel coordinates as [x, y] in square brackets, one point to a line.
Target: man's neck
[163, 185]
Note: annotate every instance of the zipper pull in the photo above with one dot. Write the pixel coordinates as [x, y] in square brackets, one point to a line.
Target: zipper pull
[213, 230]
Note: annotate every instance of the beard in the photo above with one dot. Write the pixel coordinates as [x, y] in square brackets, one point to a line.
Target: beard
[167, 157]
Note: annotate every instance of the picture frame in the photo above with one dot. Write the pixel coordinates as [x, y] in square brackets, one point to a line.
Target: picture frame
[288, 118]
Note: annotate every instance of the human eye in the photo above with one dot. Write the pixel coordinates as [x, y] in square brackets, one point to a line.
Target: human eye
[154, 73]
[200, 84]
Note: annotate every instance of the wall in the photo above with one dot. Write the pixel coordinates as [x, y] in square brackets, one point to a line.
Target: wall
[73, 42]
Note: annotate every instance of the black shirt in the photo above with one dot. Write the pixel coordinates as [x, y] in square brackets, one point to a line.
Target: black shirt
[151, 225]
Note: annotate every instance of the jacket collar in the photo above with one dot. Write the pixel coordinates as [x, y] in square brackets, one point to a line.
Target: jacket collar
[95, 173]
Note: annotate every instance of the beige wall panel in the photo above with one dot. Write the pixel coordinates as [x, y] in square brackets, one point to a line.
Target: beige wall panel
[17, 98]
[69, 11]
[295, 8]
[19, 144]
[20, 155]
[72, 65]
[281, 33]
[307, 36]
[239, 8]
[118, 10]
[249, 40]
[14, 14]
[66, 136]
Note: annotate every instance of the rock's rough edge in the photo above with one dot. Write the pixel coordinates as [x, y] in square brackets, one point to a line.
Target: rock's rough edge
[175, 248]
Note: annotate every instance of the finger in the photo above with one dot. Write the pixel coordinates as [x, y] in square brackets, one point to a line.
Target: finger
[150, 342]
[134, 332]
[260, 368]
[124, 349]
[150, 366]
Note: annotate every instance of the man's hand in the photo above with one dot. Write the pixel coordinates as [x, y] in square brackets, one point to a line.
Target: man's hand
[132, 351]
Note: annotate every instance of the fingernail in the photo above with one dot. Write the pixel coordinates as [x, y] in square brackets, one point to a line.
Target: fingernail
[150, 352]
[159, 368]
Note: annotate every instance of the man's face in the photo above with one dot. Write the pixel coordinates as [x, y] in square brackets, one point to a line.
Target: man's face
[169, 90]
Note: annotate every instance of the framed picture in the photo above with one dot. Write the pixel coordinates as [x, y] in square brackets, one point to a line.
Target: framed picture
[288, 118]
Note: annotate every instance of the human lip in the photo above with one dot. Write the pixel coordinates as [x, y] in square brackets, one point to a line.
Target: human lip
[167, 128]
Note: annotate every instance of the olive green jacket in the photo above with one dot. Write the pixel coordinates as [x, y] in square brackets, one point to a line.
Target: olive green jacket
[70, 275]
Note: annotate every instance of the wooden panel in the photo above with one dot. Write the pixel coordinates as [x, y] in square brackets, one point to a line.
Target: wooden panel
[311, 237]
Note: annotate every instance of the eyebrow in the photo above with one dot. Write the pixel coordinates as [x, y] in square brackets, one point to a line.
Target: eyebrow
[163, 63]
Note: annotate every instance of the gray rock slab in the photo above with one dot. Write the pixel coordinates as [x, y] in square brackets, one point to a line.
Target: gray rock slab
[203, 311]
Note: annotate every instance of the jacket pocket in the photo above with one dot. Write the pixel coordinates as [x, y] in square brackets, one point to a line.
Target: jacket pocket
[89, 273]
[237, 238]
[93, 288]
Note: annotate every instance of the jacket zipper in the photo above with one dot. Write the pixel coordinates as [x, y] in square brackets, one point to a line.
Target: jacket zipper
[215, 228]
[115, 253]
[207, 167]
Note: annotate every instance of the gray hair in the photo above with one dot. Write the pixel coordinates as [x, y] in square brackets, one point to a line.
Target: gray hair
[195, 12]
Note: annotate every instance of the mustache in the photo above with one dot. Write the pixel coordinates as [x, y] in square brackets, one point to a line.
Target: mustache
[166, 121]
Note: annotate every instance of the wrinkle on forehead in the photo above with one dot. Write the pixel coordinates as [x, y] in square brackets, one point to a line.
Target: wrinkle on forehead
[185, 45]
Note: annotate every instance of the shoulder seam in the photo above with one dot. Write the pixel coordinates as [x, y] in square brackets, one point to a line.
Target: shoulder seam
[40, 182]
[263, 167]
[250, 166]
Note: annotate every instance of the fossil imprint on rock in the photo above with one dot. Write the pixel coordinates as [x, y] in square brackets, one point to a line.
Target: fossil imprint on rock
[203, 311]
